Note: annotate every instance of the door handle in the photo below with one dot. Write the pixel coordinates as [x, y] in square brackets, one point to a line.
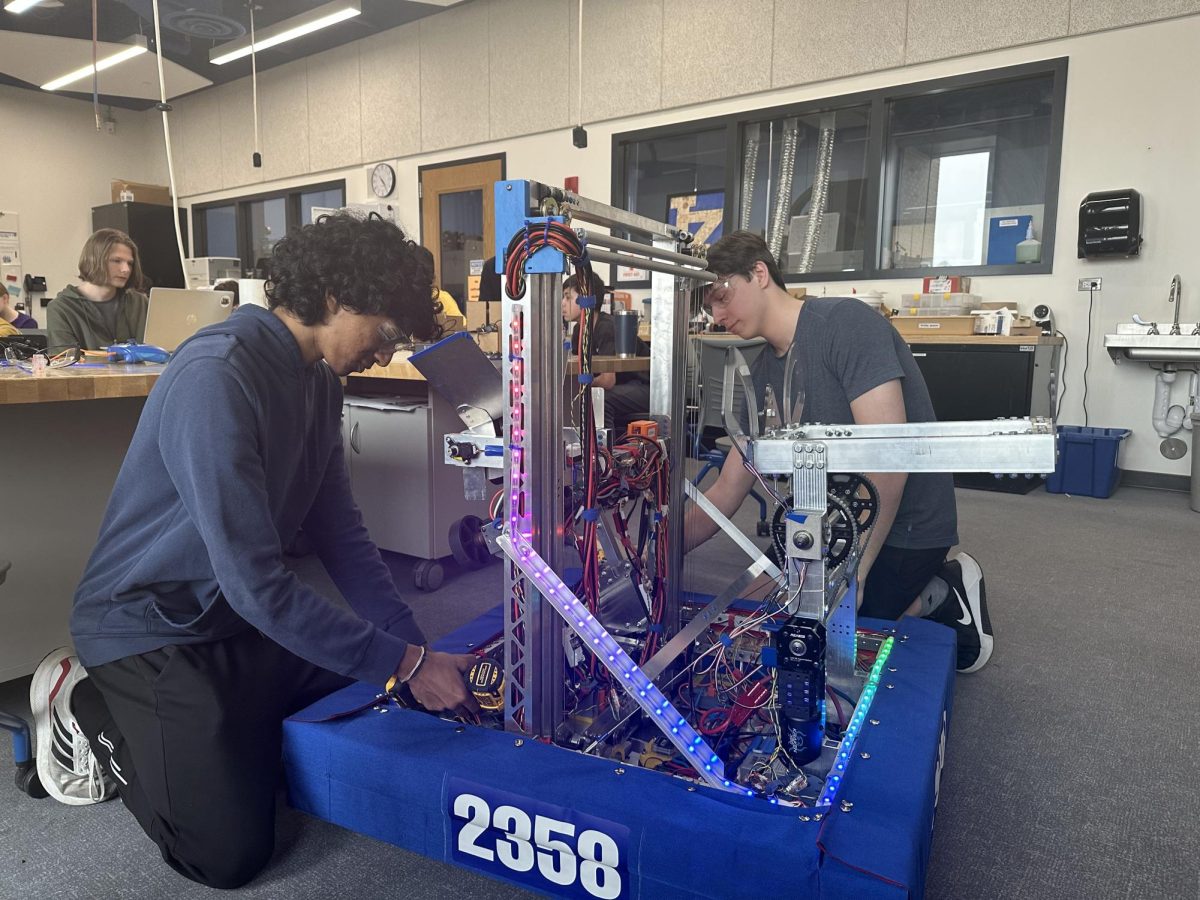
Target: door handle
[354, 438]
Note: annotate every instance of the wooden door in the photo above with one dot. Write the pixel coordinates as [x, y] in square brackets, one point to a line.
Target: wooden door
[458, 219]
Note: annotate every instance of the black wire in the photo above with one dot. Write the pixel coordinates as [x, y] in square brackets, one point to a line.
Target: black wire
[1087, 355]
[1062, 378]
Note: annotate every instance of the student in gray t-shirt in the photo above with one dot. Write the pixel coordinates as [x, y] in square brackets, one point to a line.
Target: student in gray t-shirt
[849, 365]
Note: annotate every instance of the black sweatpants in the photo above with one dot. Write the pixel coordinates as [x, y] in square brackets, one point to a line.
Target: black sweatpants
[192, 734]
[897, 578]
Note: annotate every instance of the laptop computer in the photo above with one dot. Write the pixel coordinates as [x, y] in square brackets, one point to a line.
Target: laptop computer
[175, 314]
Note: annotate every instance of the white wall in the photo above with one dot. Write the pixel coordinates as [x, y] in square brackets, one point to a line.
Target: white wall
[54, 167]
[1119, 131]
[416, 95]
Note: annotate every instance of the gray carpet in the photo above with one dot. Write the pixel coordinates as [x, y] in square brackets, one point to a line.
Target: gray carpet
[1071, 768]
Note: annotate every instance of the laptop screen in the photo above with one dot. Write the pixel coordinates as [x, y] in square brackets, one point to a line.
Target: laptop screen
[174, 314]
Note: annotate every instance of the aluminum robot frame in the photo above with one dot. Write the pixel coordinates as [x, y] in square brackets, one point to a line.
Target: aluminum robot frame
[538, 605]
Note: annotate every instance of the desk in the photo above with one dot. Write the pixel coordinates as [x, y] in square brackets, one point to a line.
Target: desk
[403, 370]
[73, 427]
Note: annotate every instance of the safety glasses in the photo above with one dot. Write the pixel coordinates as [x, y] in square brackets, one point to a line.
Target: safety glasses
[26, 357]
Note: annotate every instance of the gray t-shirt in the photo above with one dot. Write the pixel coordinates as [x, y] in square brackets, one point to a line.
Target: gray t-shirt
[842, 350]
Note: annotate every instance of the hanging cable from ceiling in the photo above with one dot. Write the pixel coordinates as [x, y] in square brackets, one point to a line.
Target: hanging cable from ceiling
[256, 160]
[579, 133]
[95, 69]
[164, 108]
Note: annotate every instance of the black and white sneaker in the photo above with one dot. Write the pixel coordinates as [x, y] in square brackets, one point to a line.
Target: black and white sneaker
[65, 764]
[965, 610]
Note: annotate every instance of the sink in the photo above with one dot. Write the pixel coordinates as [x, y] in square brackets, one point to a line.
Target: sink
[1134, 342]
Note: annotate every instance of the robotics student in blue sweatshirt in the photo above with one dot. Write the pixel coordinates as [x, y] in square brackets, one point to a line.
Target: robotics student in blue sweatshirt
[197, 641]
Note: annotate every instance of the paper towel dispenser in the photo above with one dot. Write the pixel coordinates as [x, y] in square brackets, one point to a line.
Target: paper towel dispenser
[1110, 224]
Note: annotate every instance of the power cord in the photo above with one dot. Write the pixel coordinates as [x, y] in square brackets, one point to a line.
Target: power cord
[1087, 354]
[1062, 378]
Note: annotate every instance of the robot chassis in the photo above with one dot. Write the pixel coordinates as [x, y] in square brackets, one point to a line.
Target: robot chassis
[817, 643]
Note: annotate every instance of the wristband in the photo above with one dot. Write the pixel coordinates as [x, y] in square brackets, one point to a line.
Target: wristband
[396, 679]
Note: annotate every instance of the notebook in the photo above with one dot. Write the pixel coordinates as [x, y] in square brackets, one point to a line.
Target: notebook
[174, 314]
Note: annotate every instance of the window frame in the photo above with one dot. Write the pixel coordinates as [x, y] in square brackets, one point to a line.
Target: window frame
[241, 206]
[877, 101]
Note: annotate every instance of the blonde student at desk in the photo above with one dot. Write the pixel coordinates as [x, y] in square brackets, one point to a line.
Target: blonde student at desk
[107, 306]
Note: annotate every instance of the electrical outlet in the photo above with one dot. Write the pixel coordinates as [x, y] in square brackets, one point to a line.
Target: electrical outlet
[1090, 284]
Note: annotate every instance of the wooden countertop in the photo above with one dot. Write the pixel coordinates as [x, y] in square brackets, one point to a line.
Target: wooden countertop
[990, 339]
[403, 370]
[82, 382]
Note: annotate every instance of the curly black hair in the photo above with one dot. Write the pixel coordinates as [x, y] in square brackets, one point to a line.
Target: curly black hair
[369, 266]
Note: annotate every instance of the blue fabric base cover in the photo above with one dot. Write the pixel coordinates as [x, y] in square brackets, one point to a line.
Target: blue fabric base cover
[565, 824]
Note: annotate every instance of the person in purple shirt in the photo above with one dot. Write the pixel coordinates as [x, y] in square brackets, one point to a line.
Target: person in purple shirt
[194, 640]
[11, 314]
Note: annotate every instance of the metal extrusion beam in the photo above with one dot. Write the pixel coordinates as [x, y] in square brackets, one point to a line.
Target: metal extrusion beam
[655, 251]
[868, 450]
[602, 214]
[654, 265]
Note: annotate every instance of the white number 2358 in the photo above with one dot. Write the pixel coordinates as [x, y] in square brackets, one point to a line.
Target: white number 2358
[550, 844]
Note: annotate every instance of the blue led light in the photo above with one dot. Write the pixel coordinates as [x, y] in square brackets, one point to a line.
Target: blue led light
[519, 551]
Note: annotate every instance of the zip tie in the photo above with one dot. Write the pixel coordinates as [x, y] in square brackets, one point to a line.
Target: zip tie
[586, 378]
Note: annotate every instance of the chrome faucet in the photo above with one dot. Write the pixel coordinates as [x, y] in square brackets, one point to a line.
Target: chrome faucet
[1173, 297]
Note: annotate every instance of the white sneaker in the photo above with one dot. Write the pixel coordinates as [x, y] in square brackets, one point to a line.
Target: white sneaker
[65, 764]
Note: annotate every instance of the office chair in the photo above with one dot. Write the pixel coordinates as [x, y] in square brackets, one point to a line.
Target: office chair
[26, 775]
[711, 366]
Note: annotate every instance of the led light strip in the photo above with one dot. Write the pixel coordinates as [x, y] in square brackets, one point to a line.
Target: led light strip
[643, 691]
[834, 779]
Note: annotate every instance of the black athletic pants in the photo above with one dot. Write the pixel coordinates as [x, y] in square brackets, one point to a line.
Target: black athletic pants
[897, 578]
[192, 735]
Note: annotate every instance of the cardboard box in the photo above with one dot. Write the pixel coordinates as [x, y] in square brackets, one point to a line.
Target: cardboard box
[798, 292]
[488, 341]
[480, 314]
[998, 304]
[931, 325]
[946, 284]
[142, 193]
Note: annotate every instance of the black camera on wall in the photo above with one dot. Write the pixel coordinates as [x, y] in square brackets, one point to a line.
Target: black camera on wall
[1110, 224]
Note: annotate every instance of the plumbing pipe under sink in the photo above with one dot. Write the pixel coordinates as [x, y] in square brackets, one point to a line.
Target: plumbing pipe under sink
[1168, 418]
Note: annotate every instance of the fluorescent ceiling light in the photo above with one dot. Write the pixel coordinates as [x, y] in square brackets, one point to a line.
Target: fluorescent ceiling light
[19, 6]
[288, 29]
[137, 48]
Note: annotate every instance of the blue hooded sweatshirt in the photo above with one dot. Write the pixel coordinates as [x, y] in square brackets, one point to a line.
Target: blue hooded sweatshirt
[238, 447]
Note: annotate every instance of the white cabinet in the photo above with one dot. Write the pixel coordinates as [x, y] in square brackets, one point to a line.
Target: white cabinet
[409, 498]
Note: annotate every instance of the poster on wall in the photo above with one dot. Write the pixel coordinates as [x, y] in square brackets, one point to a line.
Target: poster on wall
[699, 213]
[10, 256]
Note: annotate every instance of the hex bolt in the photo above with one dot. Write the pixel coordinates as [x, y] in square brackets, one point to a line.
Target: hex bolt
[519, 742]
[460, 729]
[806, 818]
[847, 806]
[889, 685]
[619, 771]
[802, 540]
[865, 755]
[873, 721]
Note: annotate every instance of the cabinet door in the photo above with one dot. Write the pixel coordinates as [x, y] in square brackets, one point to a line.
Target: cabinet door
[388, 453]
[967, 383]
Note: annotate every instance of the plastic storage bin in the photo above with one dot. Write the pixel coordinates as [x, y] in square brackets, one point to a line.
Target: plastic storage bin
[1087, 461]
